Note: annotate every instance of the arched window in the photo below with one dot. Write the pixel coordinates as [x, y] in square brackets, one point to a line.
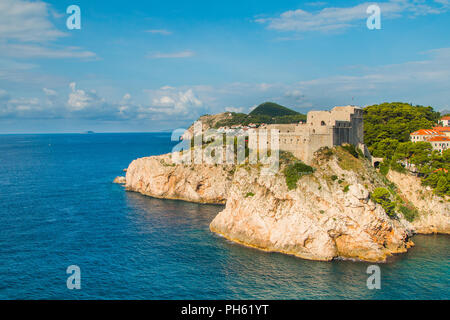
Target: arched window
[322, 123]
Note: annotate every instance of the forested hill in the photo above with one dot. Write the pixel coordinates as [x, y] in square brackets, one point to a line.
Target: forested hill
[267, 112]
[272, 109]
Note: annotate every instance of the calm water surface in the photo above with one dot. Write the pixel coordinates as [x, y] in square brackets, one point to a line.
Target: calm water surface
[58, 207]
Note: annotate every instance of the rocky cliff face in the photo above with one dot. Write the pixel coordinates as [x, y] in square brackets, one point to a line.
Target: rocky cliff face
[321, 219]
[434, 211]
[328, 215]
[158, 177]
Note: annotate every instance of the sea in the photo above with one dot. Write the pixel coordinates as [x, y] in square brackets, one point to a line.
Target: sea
[59, 208]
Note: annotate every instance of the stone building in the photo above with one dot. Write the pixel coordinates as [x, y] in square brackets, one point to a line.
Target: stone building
[322, 129]
[437, 137]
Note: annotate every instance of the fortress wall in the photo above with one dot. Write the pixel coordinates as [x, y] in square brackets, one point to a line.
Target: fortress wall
[323, 128]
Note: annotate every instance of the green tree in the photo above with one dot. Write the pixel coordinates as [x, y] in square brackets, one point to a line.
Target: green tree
[442, 186]
[384, 148]
[382, 197]
[396, 120]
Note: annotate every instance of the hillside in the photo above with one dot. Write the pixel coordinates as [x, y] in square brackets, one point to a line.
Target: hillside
[272, 109]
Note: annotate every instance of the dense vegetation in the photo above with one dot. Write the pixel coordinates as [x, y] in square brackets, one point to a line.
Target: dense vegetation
[267, 112]
[394, 121]
[295, 171]
[387, 129]
[383, 197]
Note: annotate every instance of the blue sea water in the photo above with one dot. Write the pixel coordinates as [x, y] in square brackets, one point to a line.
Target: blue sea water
[58, 207]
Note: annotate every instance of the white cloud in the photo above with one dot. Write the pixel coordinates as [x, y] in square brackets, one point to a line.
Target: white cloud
[39, 51]
[295, 94]
[49, 92]
[174, 102]
[80, 99]
[27, 31]
[26, 21]
[338, 19]
[172, 55]
[159, 31]
[233, 109]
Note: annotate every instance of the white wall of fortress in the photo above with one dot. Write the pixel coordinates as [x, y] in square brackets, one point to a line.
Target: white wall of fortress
[322, 128]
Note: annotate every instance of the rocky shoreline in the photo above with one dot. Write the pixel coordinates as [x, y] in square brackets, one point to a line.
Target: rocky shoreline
[328, 215]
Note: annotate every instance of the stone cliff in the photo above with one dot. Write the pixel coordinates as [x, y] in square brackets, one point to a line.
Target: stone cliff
[434, 211]
[327, 215]
[158, 177]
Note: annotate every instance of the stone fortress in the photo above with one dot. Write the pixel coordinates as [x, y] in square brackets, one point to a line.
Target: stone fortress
[322, 129]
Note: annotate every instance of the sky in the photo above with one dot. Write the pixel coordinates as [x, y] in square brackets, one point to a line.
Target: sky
[144, 66]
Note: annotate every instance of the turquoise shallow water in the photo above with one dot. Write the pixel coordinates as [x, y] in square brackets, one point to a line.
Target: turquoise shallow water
[58, 207]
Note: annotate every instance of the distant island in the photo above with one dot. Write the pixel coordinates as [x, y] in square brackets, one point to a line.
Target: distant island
[88, 132]
[361, 189]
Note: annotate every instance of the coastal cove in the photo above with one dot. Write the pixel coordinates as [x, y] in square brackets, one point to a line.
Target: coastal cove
[130, 246]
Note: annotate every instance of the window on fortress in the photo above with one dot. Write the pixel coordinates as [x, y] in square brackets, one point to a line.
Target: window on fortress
[322, 123]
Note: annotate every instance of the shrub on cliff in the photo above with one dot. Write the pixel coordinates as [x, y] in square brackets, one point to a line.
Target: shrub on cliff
[409, 213]
[295, 171]
[382, 196]
[350, 149]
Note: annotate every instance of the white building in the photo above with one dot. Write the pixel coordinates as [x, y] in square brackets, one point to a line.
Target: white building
[445, 121]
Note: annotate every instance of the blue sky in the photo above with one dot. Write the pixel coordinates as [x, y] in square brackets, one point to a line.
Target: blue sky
[154, 65]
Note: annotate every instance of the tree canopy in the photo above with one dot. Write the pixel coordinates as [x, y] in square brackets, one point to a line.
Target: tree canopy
[387, 129]
[395, 120]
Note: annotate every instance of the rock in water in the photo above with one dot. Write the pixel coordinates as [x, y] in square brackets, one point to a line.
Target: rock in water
[120, 180]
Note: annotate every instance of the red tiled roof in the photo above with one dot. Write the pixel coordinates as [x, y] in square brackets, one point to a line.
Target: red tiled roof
[438, 139]
[426, 132]
[442, 129]
[445, 118]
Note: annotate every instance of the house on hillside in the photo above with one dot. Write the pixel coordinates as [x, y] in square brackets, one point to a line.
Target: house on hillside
[438, 140]
[445, 121]
[439, 143]
[424, 135]
[444, 130]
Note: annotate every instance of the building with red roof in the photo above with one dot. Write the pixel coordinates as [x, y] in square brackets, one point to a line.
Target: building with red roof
[438, 139]
[445, 121]
[439, 143]
[444, 130]
[424, 134]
